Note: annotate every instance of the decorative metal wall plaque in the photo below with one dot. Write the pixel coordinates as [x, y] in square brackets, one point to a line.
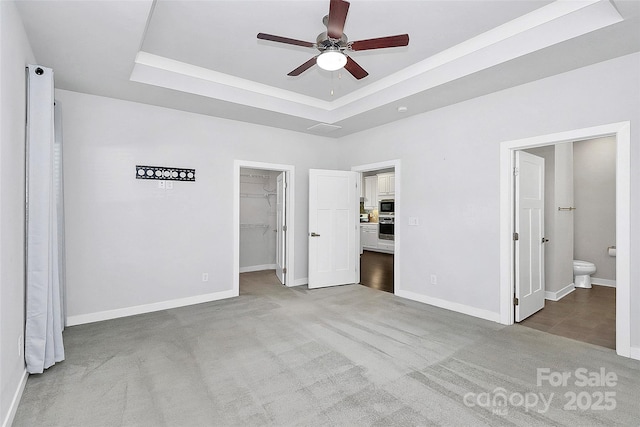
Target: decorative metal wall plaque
[165, 173]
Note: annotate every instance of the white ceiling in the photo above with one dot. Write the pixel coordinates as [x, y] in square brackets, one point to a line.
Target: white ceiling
[204, 57]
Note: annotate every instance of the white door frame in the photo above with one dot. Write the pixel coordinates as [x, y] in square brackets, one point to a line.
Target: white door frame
[395, 164]
[622, 132]
[289, 209]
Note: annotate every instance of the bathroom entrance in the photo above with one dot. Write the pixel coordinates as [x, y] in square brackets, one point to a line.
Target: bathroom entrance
[585, 222]
[579, 241]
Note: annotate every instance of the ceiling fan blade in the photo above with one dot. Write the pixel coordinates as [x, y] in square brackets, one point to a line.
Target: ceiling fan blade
[381, 43]
[356, 71]
[337, 16]
[286, 40]
[304, 67]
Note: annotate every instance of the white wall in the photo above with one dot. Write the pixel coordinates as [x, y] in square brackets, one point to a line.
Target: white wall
[595, 197]
[15, 54]
[450, 174]
[257, 209]
[130, 243]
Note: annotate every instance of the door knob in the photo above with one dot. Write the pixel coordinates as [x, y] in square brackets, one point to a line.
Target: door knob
[544, 240]
[315, 235]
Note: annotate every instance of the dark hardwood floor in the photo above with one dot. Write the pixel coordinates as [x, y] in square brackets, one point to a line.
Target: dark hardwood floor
[376, 270]
[587, 315]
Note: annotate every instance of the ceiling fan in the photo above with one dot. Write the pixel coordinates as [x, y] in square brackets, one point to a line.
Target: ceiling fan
[333, 44]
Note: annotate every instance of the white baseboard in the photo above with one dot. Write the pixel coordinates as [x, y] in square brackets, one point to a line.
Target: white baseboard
[262, 267]
[81, 319]
[634, 353]
[558, 295]
[300, 282]
[603, 282]
[448, 305]
[8, 420]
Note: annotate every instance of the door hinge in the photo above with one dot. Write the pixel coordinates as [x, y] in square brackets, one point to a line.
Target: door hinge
[516, 301]
[516, 236]
[284, 228]
[284, 270]
[516, 171]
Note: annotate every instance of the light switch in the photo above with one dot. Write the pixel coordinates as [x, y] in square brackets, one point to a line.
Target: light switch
[161, 184]
[169, 185]
[413, 220]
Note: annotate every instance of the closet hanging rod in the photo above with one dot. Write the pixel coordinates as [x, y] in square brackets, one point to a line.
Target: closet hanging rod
[571, 208]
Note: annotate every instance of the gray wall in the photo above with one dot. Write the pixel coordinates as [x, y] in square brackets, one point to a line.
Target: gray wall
[451, 174]
[564, 234]
[15, 54]
[595, 199]
[130, 243]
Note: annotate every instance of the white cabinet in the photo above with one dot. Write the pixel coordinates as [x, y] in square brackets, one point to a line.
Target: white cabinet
[369, 239]
[371, 192]
[386, 184]
[369, 236]
[386, 245]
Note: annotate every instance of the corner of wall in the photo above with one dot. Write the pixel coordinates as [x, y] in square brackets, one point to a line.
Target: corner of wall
[13, 407]
[15, 54]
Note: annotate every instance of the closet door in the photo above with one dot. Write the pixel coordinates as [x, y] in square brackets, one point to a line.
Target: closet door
[281, 228]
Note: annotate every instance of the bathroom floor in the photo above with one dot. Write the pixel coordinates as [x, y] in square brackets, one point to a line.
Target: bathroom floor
[587, 315]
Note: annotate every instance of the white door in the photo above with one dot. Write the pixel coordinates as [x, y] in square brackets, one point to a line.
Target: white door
[281, 228]
[529, 226]
[333, 224]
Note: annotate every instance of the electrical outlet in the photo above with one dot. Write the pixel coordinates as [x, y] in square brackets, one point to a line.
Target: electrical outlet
[434, 279]
[413, 220]
[205, 277]
[161, 184]
[20, 345]
[169, 185]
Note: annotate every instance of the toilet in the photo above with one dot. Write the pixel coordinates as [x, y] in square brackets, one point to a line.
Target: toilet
[582, 271]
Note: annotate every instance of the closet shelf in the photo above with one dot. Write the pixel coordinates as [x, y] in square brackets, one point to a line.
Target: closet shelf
[251, 175]
[265, 227]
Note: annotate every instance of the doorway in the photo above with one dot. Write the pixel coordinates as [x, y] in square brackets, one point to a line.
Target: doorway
[621, 132]
[379, 258]
[263, 215]
[377, 229]
[579, 224]
[261, 221]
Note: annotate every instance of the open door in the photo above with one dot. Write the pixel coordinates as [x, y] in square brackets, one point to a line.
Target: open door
[281, 228]
[529, 235]
[333, 215]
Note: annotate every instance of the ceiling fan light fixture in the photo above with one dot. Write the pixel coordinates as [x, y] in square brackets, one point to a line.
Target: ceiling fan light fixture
[331, 60]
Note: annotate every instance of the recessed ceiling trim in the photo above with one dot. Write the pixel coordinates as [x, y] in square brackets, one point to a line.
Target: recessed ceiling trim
[521, 25]
[544, 27]
[470, 57]
[171, 74]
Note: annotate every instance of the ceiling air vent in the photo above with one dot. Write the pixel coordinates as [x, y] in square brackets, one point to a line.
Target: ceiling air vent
[323, 128]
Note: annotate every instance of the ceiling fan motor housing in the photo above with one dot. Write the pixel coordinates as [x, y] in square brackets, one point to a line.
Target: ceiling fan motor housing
[323, 42]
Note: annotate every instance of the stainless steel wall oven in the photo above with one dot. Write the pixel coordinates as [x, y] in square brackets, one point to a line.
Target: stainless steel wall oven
[386, 227]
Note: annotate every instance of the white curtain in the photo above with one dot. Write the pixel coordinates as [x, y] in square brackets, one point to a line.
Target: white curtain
[44, 227]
